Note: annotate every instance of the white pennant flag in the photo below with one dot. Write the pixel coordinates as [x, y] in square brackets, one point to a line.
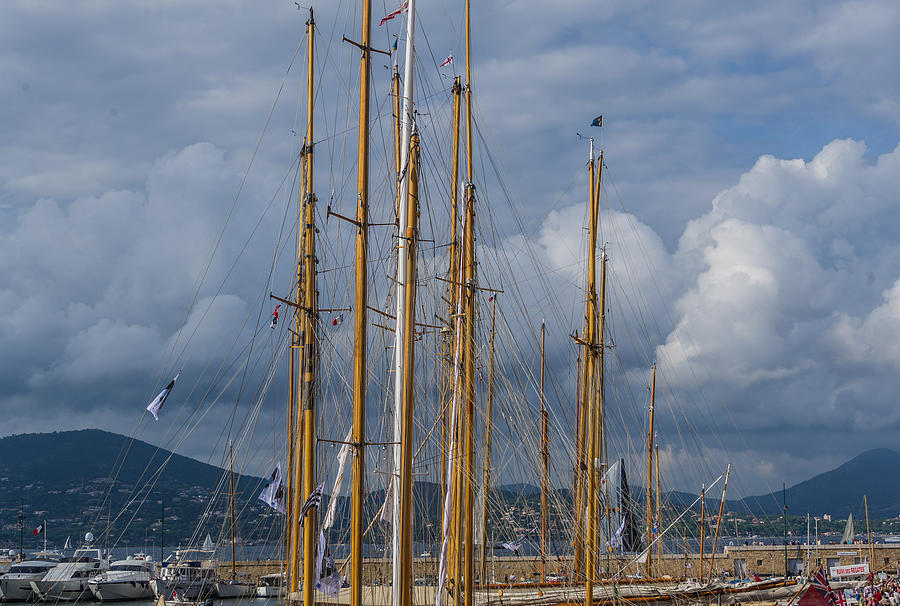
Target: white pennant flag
[273, 494]
[160, 399]
[515, 546]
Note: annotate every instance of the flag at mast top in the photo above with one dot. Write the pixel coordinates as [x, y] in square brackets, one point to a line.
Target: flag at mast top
[598, 121]
[388, 17]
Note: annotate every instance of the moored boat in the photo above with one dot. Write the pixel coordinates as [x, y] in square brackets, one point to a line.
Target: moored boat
[15, 585]
[69, 580]
[270, 586]
[125, 580]
[186, 574]
[235, 588]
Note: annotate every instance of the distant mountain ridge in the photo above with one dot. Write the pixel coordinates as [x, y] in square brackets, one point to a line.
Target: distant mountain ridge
[48, 458]
[840, 491]
[65, 478]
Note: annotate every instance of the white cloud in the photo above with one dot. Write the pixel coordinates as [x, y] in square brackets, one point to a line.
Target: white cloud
[128, 128]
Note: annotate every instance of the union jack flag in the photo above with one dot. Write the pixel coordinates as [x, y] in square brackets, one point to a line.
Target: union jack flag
[820, 592]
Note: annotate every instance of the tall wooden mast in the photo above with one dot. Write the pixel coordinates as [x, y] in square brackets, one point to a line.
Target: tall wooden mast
[309, 314]
[582, 452]
[591, 392]
[702, 525]
[407, 405]
[405, 283]
[469, 253]
[295, 418]
[488, 426]
[578, 519]
[395, 87]
[712, 554]
[649, 500]
[448, 336]
[357, 522]
[231, 503]
[545, 466]
[658, 509]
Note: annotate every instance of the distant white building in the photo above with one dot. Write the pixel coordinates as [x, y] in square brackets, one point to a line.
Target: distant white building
[827, 517]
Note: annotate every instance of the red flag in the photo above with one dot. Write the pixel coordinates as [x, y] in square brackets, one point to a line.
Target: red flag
[39, 529]
[448, 60]
[387, 18]
[275, 317]
[338, 320]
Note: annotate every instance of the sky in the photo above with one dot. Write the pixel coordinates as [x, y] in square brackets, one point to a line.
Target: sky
[751, 177]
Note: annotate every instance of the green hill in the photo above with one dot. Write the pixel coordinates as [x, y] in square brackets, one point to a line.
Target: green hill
[840, 491]
[74, 479]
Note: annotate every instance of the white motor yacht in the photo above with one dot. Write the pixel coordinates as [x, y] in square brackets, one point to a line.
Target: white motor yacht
[186, 575]
[125, 580]
[69, 580]
[15, 585]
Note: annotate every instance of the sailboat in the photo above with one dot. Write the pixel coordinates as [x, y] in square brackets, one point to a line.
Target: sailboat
[849, 533]
[233, 586]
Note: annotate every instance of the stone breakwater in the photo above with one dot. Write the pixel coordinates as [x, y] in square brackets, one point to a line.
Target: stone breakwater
[736, 561]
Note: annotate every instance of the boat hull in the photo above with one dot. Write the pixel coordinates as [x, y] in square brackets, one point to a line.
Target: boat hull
[186, 590]
[225, 589]
[17, 590]
[111, 591]
[69, 590]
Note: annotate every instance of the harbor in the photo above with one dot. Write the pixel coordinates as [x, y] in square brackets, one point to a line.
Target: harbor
[412, 303]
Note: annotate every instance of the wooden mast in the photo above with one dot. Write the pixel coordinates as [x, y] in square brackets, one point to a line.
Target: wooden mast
[295, 419]
[309, 314]
[405, 258]
[357, 522]
[454, 434]
[489, 423]
[395, 87]
[712, 555]
[576, 476]
[590, 393]
[649, 499]
[231, 499]
[545, 470]
[469, 342]
[868, 533]
[406, 440]
[584, 407]
[658, 519]
[598, 366]
[448, 334]
[702, 525]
